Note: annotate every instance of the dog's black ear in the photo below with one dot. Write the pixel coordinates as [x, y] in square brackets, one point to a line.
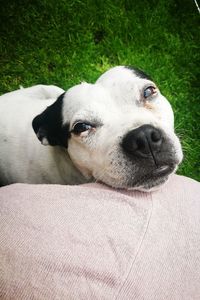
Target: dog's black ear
[48, 125]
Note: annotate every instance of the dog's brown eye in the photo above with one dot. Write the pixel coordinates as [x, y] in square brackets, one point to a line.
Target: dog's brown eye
[149, 91]
[81, 127]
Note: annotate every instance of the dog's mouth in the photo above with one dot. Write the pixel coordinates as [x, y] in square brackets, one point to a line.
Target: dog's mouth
[146, 181]
[163, 170]
[154, 178]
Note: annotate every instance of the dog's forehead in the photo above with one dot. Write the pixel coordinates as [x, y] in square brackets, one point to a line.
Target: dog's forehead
[118, 92]
[119, 84]
[85, 97]
[121, 74]
[125, 83]
[123, 77]
[85, 94]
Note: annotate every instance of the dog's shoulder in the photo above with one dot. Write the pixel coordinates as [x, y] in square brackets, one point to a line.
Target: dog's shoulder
[39, 91]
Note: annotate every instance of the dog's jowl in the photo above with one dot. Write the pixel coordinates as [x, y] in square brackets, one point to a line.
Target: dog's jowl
[119, 131]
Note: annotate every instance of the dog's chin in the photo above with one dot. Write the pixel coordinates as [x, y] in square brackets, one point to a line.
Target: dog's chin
[151, 185]
[144, 182]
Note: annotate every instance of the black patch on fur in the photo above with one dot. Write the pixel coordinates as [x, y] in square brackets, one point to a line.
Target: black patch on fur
[139, 73]
[49, 125]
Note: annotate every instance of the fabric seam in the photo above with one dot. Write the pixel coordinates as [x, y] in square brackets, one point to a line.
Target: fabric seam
[137, 252]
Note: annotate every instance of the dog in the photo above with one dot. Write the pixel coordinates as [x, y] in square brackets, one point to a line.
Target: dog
[118, 131]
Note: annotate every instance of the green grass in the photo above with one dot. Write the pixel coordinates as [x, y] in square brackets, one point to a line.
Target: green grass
[65, 42]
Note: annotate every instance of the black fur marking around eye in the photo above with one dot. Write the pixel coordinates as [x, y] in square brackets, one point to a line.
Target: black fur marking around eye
[49, 125]
[139, 73]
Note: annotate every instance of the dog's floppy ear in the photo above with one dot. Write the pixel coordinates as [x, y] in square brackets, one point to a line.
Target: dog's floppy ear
[48, 125]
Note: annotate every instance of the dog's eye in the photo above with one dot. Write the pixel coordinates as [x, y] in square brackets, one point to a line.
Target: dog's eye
[81, 127]
[150, 91]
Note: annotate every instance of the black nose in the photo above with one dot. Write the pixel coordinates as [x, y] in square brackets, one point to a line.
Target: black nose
[143, 141]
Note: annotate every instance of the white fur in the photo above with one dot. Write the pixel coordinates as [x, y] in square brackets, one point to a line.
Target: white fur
[114, 101]
[22, 157]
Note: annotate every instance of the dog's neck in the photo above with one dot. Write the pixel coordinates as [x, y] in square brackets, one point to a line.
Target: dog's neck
[68, 173]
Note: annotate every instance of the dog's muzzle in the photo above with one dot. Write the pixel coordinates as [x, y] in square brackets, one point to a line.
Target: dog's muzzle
[146, 145]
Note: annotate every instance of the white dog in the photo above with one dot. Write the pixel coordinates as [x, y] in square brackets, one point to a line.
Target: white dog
[119, 131]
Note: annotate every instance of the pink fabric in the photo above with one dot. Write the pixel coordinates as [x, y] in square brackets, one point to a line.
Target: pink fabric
[94, 242]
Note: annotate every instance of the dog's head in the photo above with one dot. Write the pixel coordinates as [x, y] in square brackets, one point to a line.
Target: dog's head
[119, 130]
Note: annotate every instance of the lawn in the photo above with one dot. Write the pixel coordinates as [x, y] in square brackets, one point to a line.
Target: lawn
[65, 42]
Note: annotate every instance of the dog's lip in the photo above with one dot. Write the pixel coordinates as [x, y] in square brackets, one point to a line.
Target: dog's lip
[155, 177]
[160, 173]
[163, 170]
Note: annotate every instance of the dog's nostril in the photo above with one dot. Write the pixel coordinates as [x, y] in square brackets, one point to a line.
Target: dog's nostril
[155, 136]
